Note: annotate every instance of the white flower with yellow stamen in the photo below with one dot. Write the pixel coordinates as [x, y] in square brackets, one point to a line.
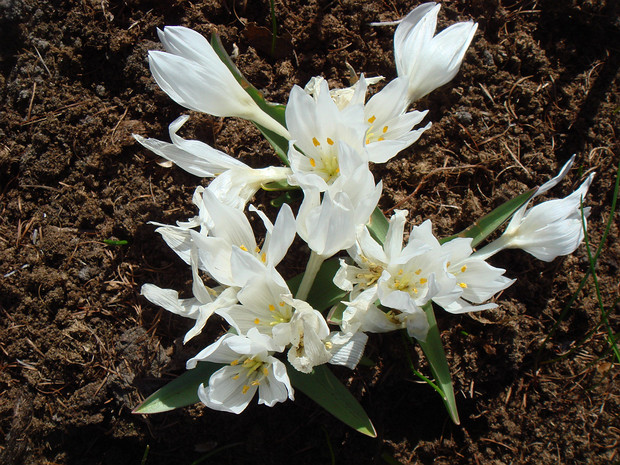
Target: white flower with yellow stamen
[261, 305]
[250, 367]
[306, 333]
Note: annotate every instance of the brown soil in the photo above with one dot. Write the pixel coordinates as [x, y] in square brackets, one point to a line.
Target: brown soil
[79, 348]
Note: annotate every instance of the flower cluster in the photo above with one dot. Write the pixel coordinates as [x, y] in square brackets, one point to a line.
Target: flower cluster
[332, 138]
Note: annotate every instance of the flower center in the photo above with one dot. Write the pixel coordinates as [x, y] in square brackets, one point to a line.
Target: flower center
[326, 164]
[253, 369]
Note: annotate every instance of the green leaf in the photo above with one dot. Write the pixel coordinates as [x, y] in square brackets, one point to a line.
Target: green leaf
[334, 317]
[324, 293]
[180, 392]
[378, 226]
[326, 390]
[276, 111]
[485, 226]
[282, 185]
[433, 350]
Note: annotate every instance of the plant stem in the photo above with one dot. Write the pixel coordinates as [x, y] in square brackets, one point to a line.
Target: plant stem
[312, 268]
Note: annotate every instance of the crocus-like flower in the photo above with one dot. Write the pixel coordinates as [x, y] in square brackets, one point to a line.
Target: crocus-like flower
[329, 224]
[426, 60]
[235, 183]
[306, 333]
[549, 229]
[192, 74]
[388, 125]
[250, 367]
[403, 279]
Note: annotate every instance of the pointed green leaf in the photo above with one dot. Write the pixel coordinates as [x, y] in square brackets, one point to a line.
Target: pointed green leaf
[485, 226]
[326, 390]
[180, 392]
[436, 356]
[324, 293]
[282, 185]
[378, 226]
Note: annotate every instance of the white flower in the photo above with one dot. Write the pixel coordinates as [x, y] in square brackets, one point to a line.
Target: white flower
[250, 367]
[429, 61]
[549, 229]
[192, 74]
[261, 306]
[317, 126]
[235, 183]
[405, 279]
[388, 125]
[306, 333]
[329, 225]
[230, 253]
[345, 348]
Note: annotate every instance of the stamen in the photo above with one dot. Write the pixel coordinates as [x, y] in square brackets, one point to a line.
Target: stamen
[257, 249]
[463, 285]
[263, 257]
[328, 345]
[372, 119]
[418, 271]
[312, 163]
[272, 308]
[400, 271]
[245, 389]
[234, 362]
[255, 383]
[463, 268]
[236, 376]
[316, 142]
[385, 129]
[423, 281]
[243, 247]
[256, 321]
[381, 139]
[367, 141]
[281, 304]
[265, 371]
[415, 290]
[329, 141]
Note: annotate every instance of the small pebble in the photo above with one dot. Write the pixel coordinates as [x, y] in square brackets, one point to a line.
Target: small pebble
[464, 117]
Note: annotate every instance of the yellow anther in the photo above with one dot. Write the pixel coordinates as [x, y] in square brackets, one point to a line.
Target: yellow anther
[418, 271]
[385, 129]
[463, 285]
[463, 268]
[243, 247]
[257, 249]
[400, 271]
[265, 371]
[255, 383]
[423, 281]
[281, 304]
[272, 308]
[380, 139]
[372, 119]
[312, 163]
[316, 142]
[329, 141]
[234, 362]
[415, 290]
[256, 321]
[337, 170]
[245, 389]
[236, 376]
[367, 141]
[263, 257]
[448, 265]
[328, 345]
